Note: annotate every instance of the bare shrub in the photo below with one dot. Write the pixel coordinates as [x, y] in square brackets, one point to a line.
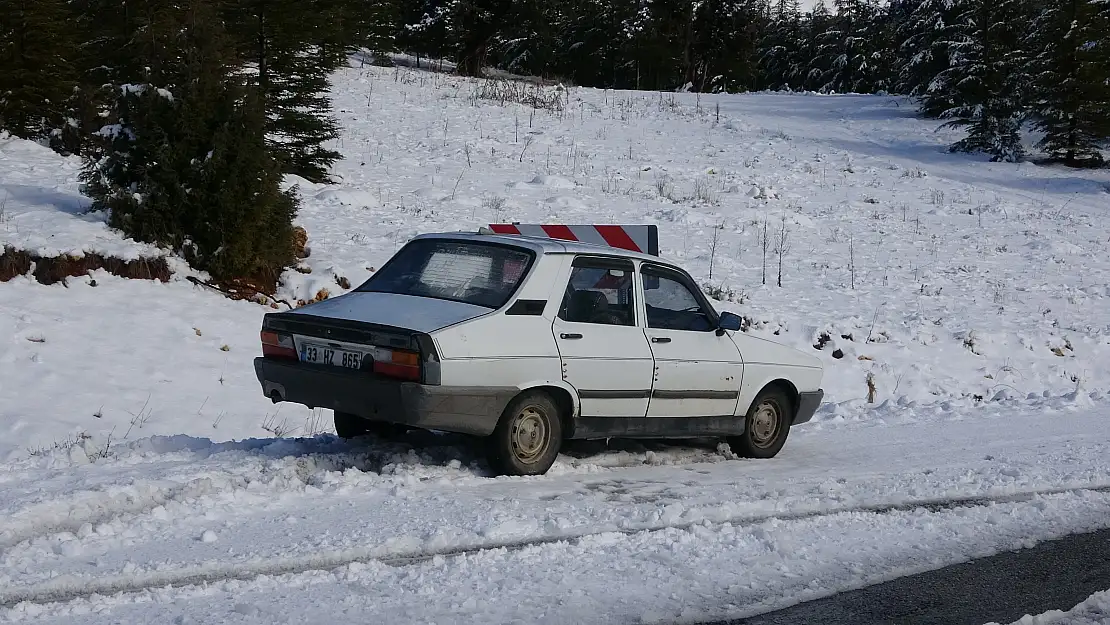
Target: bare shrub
[494, 203]
[663, 186]
[63, 445]
[704, 191]
[509, 91]
[724, 293]
[280, 429]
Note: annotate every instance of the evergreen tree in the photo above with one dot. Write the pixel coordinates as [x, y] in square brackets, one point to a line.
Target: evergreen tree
[37, 77]
[528, 43]
[1071, 79]
[478, 24]
[927, 37]
[816, 62]
[723, 54]
[987, 82]
[851, 49]
[185, 164]
[292, 51]
[781, 47]
[426, 28]
[373, 24]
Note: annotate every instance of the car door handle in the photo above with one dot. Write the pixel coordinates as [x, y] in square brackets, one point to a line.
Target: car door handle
[660, 339]
[570, 336]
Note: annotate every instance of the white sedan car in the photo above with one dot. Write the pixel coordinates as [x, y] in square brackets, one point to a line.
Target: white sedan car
[530, 341]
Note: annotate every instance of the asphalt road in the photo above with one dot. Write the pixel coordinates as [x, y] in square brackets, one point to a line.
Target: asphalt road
[1055, 575]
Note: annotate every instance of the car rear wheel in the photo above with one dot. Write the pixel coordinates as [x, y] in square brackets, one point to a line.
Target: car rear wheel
[766, 427]
[528, 436]
[348, 426]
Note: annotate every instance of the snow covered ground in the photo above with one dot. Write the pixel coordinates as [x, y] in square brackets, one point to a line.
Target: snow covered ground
[411, 532]
[136, 450]
[1094, 611]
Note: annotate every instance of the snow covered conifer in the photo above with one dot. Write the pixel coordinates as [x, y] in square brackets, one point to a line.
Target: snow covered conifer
[851, 49]
[781, 47]
[185, 164]
[1070, 79]
[927, 39]
[987, 84]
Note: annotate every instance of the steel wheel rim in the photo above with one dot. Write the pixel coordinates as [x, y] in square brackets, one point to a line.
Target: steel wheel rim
[765, 424]
[529, 435]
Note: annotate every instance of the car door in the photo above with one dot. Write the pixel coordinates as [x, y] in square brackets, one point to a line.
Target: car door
[604, 353]
[697, 371]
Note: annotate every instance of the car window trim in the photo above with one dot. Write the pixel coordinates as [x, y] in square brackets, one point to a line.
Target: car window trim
[588, 261]
[684, 279]
[603, 262]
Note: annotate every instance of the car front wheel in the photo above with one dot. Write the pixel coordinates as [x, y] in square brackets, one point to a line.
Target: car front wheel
[766, 426]
[528, 436]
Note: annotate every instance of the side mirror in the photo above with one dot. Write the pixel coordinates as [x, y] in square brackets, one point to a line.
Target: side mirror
[728, 321]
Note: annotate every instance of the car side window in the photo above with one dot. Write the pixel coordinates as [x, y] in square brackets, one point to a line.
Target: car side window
[599, 291]
[671, 305]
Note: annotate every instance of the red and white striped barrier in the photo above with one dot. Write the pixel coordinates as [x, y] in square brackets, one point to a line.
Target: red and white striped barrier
[643, 239]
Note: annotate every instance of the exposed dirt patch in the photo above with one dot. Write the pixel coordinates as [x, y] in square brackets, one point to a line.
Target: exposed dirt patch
[54, 269]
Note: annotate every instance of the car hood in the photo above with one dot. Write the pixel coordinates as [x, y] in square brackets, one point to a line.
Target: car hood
[422, 314]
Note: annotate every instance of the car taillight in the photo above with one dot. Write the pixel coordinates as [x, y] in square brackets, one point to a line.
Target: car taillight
[400, 364]
[276, 345]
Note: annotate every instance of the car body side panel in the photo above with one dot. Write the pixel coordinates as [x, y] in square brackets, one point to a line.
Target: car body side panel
[697, 374]
[758, 375]
[511, 335]
[525, 372]
[506, 349]
[766, 361]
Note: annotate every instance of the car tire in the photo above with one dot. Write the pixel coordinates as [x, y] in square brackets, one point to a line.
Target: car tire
[348, 426]
[766, 426]
[528, 436]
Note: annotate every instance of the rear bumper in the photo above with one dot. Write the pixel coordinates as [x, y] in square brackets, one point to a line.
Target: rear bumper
[467, 410]
[807, 405]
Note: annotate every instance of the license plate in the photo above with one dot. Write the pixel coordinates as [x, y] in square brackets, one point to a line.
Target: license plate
[324, 355]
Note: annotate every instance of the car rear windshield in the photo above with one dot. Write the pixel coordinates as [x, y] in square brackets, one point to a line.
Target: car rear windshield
[483, 274]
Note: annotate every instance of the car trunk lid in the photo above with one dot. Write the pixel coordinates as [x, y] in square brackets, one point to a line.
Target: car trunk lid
[418, 314]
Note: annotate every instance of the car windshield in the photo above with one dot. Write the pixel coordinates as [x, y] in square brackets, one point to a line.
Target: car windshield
[483, 274]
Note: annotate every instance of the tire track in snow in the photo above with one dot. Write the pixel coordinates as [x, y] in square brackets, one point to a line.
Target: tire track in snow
[99, 506]
[69, 588]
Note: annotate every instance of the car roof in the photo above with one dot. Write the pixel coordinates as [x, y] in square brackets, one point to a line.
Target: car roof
[543, 245]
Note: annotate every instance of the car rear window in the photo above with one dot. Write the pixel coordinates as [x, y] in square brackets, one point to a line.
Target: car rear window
[483, 274]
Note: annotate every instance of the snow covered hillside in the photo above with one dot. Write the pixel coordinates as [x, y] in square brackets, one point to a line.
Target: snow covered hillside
[143, 477]
[946, 279]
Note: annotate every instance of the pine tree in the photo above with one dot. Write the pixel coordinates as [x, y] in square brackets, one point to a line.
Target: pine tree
[851, 49]
[293, 48]
[37, 77]
[927, 39]
[781, 47]
[987, 82]
[373, 24]
[426, 28]
[593, 41]
[185, 164]
[527, 42]
[478, 23]
[815, 64]
[1070, 79]
[724, 47]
